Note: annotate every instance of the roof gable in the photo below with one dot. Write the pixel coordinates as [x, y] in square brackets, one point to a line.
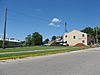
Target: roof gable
[73, 31]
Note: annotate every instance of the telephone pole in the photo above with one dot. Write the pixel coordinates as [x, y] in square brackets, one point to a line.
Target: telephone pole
[65, 27]
[4, 35]
[97, 34]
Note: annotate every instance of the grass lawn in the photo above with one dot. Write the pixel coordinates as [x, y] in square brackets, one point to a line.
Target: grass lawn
[30, 48]
[55, 49]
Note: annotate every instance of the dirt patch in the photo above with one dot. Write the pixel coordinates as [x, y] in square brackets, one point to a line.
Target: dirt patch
[80, 44]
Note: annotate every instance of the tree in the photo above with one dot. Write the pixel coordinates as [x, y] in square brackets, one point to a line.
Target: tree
[46, 41]
[1, 43]
[37, 38]
[23, 43]
[88, 30]
[99, 38]
[28, 40]
[98, 34]
[53, 38]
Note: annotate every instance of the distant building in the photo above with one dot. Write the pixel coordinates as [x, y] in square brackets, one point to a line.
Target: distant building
[13, 40]
[57, 41]
[10, 42]
[10, 39]
[76, 37]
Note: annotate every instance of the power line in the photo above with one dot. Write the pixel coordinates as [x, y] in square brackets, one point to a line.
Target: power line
[17, 20]
[21, 22]
[32, 16]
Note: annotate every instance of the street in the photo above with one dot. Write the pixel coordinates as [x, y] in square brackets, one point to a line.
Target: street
[76, 63]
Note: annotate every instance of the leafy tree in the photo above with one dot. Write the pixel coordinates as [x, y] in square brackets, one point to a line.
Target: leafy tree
[99, 38]
[37, 38]
[28, 40]
[46, 41]
[88, 30]
[23, 43]
[98, 34]
[53, 38]
[1, 43]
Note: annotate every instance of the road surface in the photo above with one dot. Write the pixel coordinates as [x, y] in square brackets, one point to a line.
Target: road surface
[76, 63]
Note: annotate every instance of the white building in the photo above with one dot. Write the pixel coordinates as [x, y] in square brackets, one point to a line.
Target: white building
[75, 37]
[11, 39]
[10, 42]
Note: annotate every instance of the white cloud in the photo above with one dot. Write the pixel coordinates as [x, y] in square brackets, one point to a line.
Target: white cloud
[55, 22]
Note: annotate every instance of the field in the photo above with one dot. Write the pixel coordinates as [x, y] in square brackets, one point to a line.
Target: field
[22, 52]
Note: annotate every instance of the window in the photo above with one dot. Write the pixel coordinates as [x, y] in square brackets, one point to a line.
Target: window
[88, 35]
[82, 35]
[65, 41]
[12, 38]
[74, 37]
[83, 41]
[66, 36]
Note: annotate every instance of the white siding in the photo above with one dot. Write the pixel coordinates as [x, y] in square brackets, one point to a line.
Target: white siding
[78, 38]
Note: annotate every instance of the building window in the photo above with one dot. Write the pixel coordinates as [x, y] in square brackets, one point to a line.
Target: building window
[66, 36]
[12, 38]
[82, 35]
[65, 41]
[83, 41]
[74, 37]
[88, 35]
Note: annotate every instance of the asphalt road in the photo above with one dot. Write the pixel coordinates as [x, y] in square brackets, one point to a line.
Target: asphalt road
[77, 63]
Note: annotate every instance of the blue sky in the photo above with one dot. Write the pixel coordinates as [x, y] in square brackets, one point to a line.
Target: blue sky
[48, 16]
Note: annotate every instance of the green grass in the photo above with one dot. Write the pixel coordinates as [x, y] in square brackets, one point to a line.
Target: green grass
[32, 48]
[39, 53]
[25, 49]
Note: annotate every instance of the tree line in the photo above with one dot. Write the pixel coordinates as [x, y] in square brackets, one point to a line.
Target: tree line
[36, 39]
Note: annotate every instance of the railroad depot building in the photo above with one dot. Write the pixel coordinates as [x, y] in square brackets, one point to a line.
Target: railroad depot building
[76, 37]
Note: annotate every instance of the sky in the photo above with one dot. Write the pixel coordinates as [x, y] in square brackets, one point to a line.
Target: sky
[47, 17]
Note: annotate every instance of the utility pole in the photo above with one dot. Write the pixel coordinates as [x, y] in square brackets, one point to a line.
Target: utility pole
[65, 27]
[97, 35]
[4, 35]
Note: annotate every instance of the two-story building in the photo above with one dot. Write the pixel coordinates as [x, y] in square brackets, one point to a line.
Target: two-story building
[76, 37]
